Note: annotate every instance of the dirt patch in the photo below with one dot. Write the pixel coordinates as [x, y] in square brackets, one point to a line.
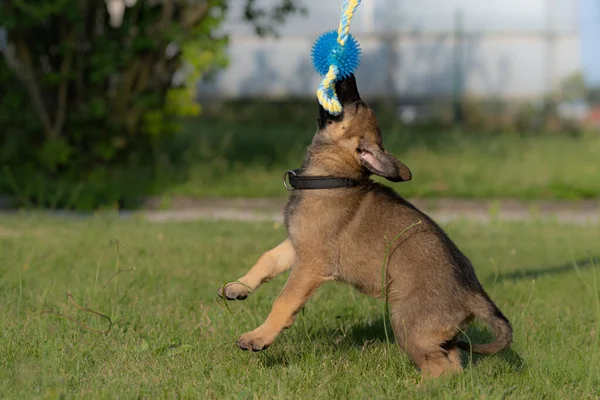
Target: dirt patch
[442, 210]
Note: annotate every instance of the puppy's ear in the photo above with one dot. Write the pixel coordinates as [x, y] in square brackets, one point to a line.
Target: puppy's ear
[386, 165]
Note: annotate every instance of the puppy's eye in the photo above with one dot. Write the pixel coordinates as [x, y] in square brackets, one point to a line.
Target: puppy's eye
[329, 122]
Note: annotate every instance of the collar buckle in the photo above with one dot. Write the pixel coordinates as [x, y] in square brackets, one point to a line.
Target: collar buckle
[286, 177]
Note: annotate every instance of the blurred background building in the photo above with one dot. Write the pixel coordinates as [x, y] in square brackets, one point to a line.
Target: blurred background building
[506, 49]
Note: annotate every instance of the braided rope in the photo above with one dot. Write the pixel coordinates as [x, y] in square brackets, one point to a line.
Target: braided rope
[348, 9]
[326, 90]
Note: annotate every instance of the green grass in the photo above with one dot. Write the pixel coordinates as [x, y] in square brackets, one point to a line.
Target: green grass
[245, 150]
[171, 338]
[246, 157]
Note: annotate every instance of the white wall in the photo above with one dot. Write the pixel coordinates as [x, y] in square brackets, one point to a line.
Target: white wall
[408, 49]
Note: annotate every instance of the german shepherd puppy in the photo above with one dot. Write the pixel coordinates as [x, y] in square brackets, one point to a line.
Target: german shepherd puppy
[341, 234]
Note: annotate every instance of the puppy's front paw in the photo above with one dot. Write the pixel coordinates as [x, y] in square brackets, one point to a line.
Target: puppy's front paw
[234, 291]
[256, 340]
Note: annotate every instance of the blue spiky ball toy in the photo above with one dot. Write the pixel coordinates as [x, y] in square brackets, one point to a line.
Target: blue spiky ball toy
[327, 51]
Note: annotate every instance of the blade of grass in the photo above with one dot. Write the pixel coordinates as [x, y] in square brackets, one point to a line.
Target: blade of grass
[384, 282]
[117, 263]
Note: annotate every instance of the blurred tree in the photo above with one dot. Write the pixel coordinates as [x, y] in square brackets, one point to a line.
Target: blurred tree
[573, 88]
[87, 85]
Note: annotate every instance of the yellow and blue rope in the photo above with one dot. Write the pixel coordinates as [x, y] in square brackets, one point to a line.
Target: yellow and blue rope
[337, 59]
[348, 8]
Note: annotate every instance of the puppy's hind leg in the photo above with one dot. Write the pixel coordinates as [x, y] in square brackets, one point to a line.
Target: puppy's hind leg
[272, 263]
[429, 345]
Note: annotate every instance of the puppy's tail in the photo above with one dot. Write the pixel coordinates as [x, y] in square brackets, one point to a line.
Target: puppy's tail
[485, 309]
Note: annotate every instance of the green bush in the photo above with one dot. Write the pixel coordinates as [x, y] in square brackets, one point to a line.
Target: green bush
[86, 103]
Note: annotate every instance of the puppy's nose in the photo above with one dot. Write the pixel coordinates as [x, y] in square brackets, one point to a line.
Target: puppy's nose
[347, 91]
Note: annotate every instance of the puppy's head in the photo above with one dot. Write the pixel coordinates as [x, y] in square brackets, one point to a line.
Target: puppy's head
[350, 144]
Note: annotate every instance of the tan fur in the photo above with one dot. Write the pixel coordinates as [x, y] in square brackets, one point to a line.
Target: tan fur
[341, 234]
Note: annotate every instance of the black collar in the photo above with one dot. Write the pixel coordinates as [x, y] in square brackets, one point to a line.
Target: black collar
[297, 182]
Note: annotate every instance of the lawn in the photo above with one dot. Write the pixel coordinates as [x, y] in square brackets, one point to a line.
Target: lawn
[171, 338]
[246, 157]
[245, 154]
